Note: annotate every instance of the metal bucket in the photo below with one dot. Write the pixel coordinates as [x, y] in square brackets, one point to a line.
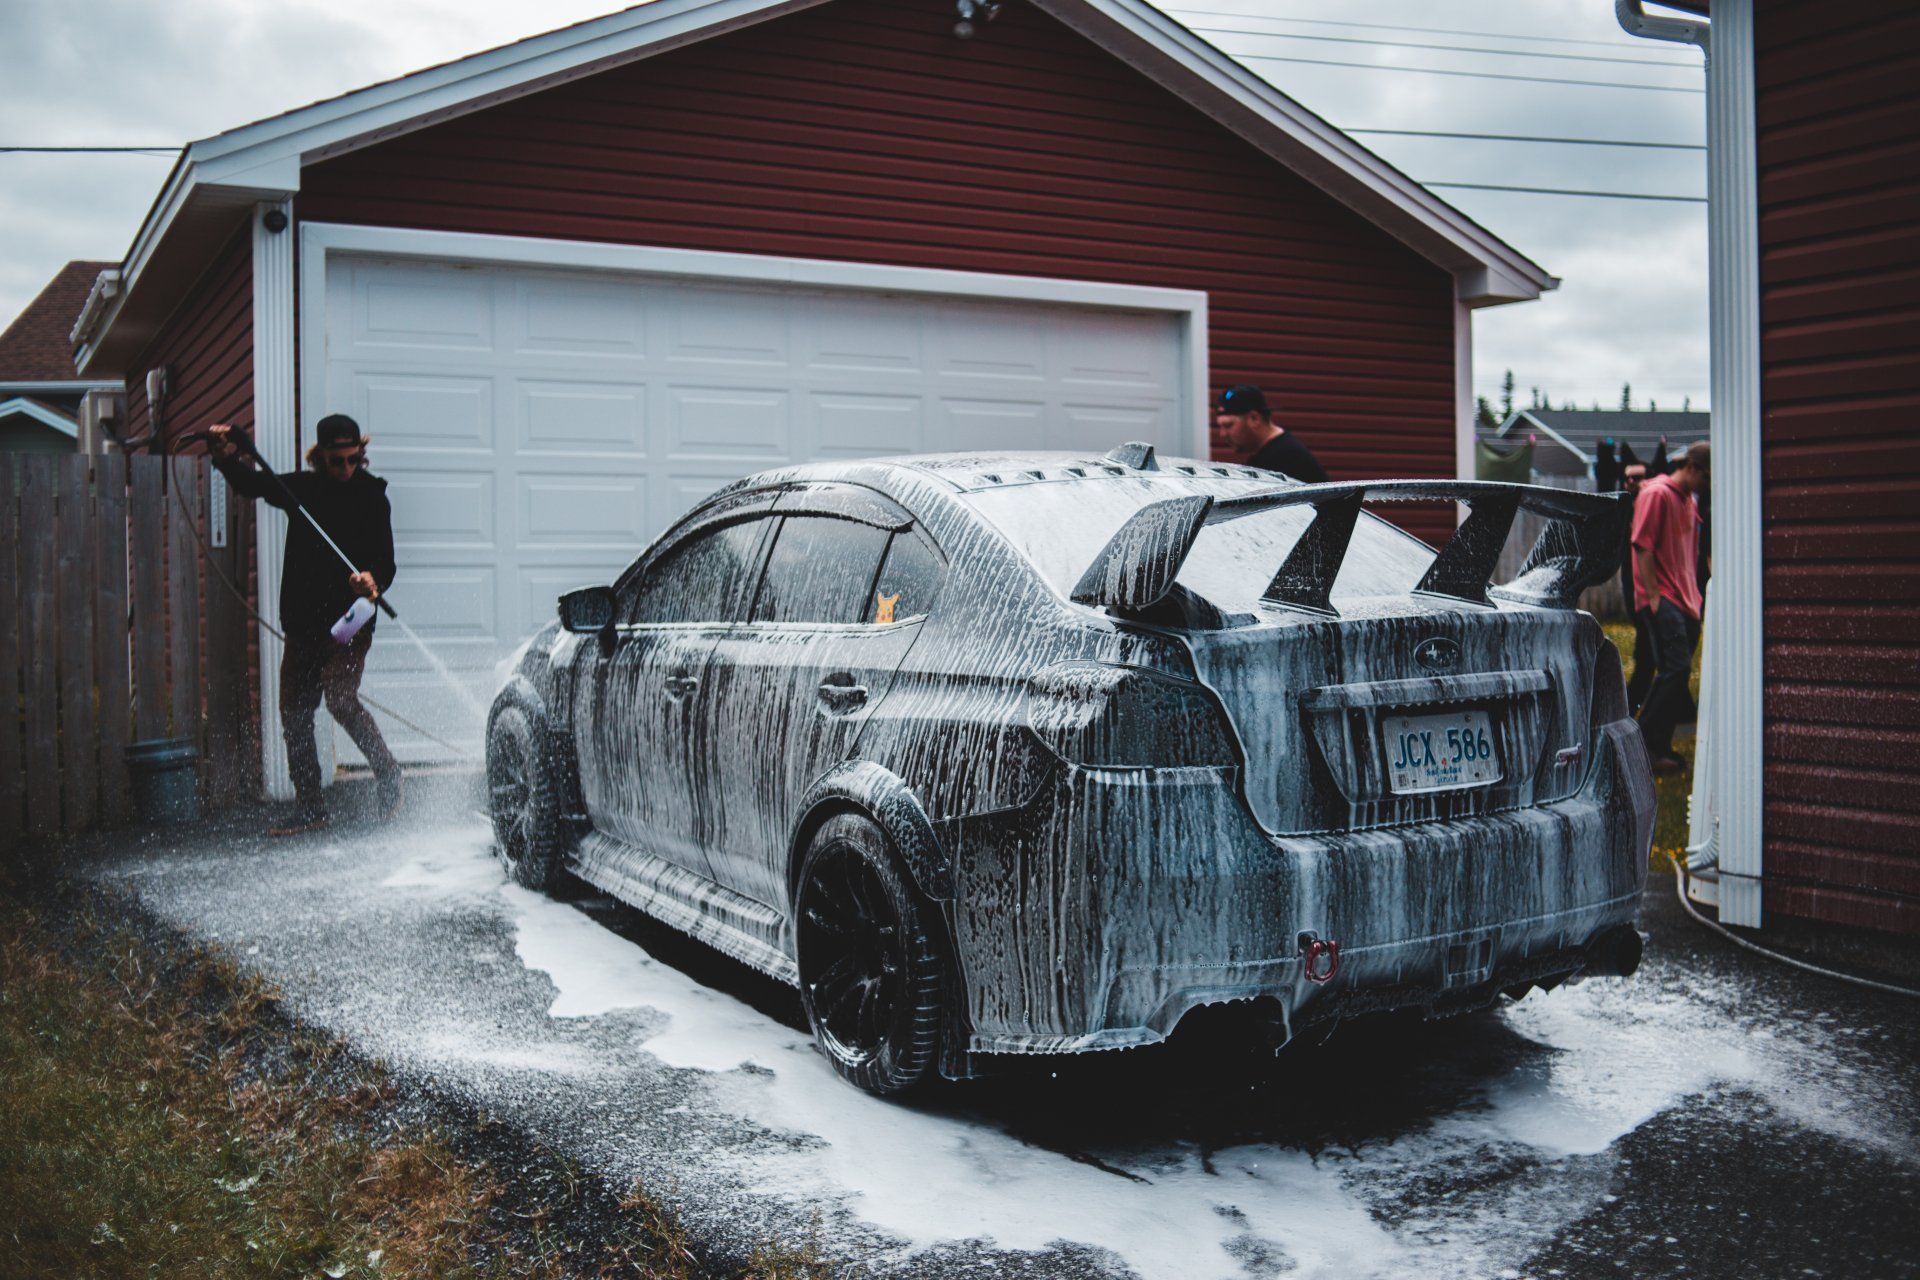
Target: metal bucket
[166, 785]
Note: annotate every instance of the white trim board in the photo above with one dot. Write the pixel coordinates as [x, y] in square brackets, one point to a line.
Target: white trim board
[39, 413]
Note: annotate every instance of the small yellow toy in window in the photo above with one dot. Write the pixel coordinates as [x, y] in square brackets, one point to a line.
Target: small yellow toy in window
[883, 608]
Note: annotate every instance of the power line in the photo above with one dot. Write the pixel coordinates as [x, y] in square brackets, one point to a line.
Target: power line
[1563, 191]
[1453, 48]
[1387, 26]
[1471, 75]
[1527, 137]
[95, 150]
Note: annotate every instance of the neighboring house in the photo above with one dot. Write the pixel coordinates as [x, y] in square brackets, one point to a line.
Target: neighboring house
[40, 394]
[1809, 804]
[1566, 441]
[573, 284]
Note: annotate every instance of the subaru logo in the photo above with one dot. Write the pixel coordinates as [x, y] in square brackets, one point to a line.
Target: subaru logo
[1437, 653]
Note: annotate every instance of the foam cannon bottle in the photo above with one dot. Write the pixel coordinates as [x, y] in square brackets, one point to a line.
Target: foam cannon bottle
[358, 615]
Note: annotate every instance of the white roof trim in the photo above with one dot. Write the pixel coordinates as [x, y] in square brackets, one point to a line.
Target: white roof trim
[1542, 427]
[263, 160]
[69, 387]
[41, 414]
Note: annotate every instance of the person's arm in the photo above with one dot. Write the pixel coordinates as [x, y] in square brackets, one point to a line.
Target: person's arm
[247, 480]
[380, 563]
[1646, 568]
[1645, 541]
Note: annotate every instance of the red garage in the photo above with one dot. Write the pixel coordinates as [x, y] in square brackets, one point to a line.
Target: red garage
[571, 284]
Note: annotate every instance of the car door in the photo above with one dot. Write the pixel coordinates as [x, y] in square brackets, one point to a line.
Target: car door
[642, 716]
[846, 586]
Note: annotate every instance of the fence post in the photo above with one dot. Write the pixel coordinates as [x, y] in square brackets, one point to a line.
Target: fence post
[40, 643]
[13, 789]
[146, 554]
[73, 537]
[111, 667]
[183, 602]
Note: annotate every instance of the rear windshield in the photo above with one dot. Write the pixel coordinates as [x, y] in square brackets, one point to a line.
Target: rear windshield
[1061, 527]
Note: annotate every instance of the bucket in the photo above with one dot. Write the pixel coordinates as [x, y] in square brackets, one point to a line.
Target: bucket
[166, 786]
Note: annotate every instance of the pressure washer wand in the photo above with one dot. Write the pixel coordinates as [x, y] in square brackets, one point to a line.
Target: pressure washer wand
[245, 444]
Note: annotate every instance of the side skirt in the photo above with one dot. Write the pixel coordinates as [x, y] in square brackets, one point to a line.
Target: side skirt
[737, 926]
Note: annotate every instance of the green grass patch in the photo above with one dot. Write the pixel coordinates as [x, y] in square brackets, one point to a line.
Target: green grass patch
[1676, 789]
[159, 1118]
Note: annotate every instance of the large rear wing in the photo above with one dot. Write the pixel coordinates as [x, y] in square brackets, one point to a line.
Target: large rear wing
[1579, 548]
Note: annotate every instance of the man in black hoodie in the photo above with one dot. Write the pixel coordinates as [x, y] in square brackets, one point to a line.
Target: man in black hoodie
[350, 503]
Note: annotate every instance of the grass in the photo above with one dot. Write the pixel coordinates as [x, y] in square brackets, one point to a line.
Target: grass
[1674, 790]
[160, 1117]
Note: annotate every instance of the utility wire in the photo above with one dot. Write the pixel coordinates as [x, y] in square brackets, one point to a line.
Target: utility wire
[1471, 75]
[96, 150]
[1527, 137]
[1563, 191]
[1388, 26]
[1453, 48]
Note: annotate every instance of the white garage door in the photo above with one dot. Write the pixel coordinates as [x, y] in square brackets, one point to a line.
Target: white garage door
[538, 427]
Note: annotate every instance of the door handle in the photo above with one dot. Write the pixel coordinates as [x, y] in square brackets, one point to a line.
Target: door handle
[842, 697]
[681, 686]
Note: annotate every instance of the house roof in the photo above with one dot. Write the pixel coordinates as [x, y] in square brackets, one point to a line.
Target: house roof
[34, 348]
[1579, 431]
[39, 411]
[216, 181]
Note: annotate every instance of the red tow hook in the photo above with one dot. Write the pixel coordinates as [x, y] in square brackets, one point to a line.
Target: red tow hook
[1314, 949]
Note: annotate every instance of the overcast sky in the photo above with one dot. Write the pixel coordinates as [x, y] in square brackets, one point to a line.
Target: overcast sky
[1632, 308]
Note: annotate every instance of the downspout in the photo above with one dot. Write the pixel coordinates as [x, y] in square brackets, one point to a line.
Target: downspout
[1727, 805]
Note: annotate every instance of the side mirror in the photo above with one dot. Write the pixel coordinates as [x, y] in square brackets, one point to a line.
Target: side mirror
[588, 611]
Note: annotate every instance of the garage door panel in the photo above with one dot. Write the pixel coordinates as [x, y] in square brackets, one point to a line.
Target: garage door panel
[746, 422]
[445, 510]
[452, 413]
[571, 510]
[538, 427]
[582, 417]
[420, 308]
[563, 316]
[725, 327]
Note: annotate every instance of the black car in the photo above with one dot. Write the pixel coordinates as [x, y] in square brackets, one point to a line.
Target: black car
[1035, 753]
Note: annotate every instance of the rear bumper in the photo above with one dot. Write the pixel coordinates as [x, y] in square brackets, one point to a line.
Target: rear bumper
[1098, 914]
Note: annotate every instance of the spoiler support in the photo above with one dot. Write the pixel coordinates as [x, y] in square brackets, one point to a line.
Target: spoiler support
[1579, 548]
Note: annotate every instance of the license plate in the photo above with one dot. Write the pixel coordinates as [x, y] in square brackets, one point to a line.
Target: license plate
[1439, 752]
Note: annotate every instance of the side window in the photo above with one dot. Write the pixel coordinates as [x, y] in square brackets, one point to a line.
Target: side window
[698, 581]
[821, 570]
[908, 581]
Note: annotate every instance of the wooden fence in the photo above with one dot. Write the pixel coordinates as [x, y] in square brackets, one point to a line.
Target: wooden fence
[115, 631]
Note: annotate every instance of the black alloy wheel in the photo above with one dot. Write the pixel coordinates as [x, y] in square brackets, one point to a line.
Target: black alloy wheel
[523, 801]
[870, 975]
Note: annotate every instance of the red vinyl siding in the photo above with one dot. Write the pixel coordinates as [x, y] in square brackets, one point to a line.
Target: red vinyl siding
[1839, 156]
[206, 346]
[863, 130]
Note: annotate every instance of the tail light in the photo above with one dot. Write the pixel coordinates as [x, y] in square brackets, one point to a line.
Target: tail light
[1609, 687]
[1116, 717]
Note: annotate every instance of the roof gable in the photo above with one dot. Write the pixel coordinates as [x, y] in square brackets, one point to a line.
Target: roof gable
[217, 180]
[34, 348]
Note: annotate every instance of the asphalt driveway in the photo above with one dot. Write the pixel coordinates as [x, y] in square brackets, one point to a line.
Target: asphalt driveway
[1714, 1115]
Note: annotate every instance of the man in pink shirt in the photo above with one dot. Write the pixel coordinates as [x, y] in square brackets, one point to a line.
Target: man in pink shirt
[1666, 595]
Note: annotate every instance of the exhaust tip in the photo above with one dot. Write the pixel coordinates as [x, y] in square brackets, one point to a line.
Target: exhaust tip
[1616, 952]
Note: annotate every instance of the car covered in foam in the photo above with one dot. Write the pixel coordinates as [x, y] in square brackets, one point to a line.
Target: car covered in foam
[1036, 753]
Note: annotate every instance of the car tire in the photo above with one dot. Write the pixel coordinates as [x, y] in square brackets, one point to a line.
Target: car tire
[523, 798]
[870, 973]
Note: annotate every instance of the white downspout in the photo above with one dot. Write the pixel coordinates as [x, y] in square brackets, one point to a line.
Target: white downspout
[1729, 800]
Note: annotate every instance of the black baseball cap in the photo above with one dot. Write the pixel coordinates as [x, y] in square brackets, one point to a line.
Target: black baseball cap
[1244, 398]
[337, 429]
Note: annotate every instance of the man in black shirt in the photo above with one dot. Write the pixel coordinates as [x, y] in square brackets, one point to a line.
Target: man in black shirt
[1248, 423]
[316, 589]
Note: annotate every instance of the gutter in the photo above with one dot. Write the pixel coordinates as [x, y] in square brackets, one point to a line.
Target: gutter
[1636, 21]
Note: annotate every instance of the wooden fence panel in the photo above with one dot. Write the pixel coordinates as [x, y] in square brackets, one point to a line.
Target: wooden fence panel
[146, 554]
[39, 645]
[183, 600]
[226, 660]
[79, 743]
[111, 670]
[13, 783]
